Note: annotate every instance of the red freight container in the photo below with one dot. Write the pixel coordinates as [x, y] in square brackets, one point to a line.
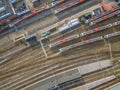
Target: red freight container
[107, 7]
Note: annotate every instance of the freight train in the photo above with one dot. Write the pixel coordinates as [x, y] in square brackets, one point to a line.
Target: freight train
[89, 41]
[90, 19]
[95, 30]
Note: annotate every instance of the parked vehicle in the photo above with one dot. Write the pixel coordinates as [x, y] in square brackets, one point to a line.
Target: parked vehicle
[43, 34]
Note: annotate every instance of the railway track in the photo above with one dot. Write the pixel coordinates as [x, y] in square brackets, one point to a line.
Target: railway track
[73, 59]
[101, 74]
[42, 62]
[106, 85]
[95, 76]
[24, 66]
[9, 48]
[26, 54]
[36, 79]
